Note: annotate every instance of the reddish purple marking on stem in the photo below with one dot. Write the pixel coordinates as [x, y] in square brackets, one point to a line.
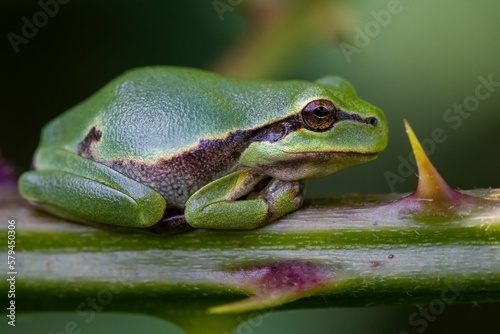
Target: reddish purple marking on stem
[286, 275]
[451, 202]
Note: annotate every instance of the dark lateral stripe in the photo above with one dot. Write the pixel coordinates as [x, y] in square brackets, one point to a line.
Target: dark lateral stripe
[342, 116]
[92, 137]
[277, 130]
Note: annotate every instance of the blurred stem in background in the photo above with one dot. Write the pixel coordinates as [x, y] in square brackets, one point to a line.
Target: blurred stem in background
[278, 31]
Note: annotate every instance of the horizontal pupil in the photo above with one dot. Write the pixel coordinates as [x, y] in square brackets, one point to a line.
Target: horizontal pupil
[321, 111]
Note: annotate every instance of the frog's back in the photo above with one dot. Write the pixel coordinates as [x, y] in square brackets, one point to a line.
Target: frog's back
[155, 112]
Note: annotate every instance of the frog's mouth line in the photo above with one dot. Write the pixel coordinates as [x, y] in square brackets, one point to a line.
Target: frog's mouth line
[321, 157]
[333, 153]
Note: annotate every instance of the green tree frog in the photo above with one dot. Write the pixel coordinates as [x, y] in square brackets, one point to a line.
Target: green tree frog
[169, 148]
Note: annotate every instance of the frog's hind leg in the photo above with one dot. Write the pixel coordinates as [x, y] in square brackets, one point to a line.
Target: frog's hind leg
[84, 190]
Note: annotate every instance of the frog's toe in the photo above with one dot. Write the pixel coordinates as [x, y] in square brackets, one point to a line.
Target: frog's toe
[282, 197]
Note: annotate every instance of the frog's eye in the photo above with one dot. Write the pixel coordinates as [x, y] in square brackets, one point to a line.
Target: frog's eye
[319, 115]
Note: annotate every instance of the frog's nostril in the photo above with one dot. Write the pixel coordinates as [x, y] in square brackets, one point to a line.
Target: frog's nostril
[372, 121]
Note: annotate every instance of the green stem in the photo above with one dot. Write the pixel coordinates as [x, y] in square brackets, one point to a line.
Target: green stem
[338, 252]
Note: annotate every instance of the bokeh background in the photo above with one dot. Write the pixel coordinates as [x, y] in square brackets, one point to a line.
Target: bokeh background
[416, 60]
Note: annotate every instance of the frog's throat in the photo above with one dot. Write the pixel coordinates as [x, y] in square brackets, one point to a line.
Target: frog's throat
[313, 164]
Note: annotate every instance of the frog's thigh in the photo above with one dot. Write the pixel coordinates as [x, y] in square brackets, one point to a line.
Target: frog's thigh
[218, 204]
[84, 190]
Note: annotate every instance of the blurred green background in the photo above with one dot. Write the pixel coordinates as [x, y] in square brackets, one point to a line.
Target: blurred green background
[416, 60]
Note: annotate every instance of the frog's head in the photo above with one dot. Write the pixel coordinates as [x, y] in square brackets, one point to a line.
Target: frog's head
[326, 129]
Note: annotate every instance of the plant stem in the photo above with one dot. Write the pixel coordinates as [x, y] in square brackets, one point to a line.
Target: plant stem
[337, 252]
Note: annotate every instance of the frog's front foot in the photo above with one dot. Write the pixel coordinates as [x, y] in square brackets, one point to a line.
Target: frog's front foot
[232, 202]
[282, 197]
